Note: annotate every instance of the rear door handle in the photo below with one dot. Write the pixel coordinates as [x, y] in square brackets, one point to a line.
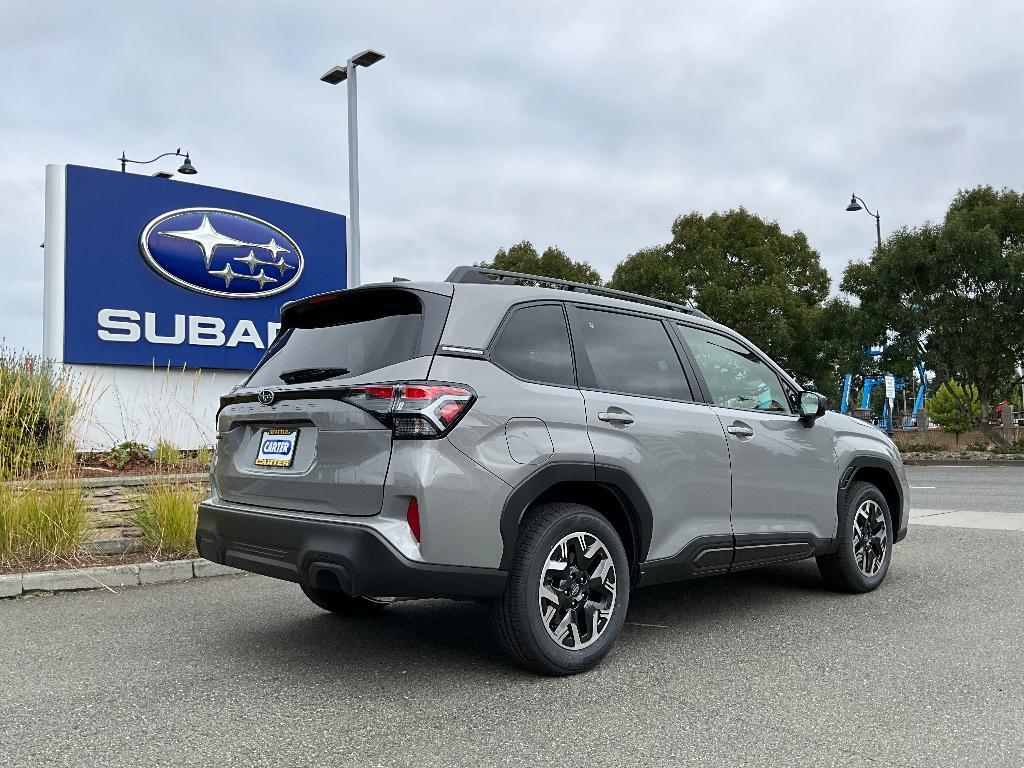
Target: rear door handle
[616, 417]
[740, 430]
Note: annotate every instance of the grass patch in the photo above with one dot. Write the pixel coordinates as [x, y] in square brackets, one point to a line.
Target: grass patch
[166, 455]
[167, 518]
[41, 524]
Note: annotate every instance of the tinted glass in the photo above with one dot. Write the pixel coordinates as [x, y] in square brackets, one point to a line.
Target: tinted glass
[736, 376]
[534, 345]
[630, 355]
[347, 337]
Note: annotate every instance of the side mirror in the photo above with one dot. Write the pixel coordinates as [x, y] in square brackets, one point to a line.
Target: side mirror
[811, 406]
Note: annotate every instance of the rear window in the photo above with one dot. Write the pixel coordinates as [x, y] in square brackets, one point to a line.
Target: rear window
[351, 334]
[629, 355]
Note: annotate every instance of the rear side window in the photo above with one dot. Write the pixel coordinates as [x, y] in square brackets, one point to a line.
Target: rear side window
[350, 334]
[534, 345]
[630, 355]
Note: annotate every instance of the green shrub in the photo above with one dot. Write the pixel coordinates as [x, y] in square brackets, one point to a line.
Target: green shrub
[919, 448]
[955, 408]
[120, 456]
[167, 518]
[166, 455]
[41, 523]
[1017, 449]
[37, 404]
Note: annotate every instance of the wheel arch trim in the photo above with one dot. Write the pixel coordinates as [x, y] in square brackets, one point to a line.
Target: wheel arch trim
[614, 479]
[868, 461]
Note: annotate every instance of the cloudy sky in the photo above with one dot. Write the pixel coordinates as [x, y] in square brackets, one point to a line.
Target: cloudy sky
[589, 125]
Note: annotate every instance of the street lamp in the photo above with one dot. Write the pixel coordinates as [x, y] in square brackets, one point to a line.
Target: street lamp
[186, 167]
[333, 76]
[856, 206]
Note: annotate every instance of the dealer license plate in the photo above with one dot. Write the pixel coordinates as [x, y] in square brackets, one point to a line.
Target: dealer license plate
[277, 448]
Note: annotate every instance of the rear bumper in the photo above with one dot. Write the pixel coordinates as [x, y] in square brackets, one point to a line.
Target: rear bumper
[318, 551]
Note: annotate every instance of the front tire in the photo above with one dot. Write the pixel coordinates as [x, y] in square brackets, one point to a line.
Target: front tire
[864, 542]
[567, 592]
[342, 604]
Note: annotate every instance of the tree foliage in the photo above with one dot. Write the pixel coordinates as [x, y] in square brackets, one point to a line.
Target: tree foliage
[523, 257]
[746, 273]
[952, 293]
[955, 407]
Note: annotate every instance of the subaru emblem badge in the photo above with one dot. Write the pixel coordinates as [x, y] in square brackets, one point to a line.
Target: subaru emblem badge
[222, 253]
[266, 396]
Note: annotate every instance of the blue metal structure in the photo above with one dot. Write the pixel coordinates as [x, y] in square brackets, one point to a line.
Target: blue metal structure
[878, 379]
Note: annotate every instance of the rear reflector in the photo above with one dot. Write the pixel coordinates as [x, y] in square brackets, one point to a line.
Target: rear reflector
[413, 517]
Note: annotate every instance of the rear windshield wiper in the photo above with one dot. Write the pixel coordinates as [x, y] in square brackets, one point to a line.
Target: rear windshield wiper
[302, 375]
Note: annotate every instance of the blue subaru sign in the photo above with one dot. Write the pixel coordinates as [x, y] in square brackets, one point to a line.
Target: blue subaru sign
[162, 273]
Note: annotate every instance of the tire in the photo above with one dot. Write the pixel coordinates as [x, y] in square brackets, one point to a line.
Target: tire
[583, 602]
[341, 604]
[864, 542]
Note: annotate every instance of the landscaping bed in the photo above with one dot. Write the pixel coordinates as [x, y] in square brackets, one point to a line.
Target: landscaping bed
[79, 560]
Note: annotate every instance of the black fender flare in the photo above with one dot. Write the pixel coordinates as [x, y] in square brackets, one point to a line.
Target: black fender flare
[614, 479]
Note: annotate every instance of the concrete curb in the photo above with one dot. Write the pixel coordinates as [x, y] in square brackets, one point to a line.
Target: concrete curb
[963, 463]
[112, 576]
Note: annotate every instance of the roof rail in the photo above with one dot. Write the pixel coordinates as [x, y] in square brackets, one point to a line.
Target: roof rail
[484, 275]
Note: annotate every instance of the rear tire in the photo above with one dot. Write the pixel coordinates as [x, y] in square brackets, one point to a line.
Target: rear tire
[567, 592]
[864, 542]
[342, 604]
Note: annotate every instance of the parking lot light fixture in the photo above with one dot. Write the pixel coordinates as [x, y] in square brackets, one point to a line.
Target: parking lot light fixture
[857, 204]
[186, 168]
[334, 76]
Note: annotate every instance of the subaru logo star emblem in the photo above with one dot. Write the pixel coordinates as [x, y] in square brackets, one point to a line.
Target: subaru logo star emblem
[266, 396]
[221, 253]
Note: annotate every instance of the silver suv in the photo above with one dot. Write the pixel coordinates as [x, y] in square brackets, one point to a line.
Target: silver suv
[543, 450]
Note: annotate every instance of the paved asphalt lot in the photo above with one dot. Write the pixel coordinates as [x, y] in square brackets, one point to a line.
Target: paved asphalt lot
[758, 669]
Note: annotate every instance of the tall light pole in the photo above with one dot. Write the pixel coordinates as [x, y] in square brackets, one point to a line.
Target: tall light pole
[856, 206]
[334, 76]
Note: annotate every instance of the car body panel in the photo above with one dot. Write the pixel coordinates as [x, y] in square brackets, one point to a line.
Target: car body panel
[784, 477]
[676, 452]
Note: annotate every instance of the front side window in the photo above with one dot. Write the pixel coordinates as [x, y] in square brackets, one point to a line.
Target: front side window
[630, 355]
[534, 345]
[736, 377]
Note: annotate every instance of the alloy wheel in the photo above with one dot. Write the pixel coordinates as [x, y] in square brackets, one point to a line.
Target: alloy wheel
[577, 590]
[870, 537]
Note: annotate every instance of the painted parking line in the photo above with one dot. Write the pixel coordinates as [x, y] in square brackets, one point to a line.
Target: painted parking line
[922, 487]
[965, 518]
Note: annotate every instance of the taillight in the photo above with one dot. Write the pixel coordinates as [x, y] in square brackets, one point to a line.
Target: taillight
[418, 410]
[375, 399]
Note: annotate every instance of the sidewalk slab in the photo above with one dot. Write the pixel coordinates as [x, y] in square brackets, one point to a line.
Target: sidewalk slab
[965, 518]
[204, 568]
[10, 585]
[162, 572]
[82, 578]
